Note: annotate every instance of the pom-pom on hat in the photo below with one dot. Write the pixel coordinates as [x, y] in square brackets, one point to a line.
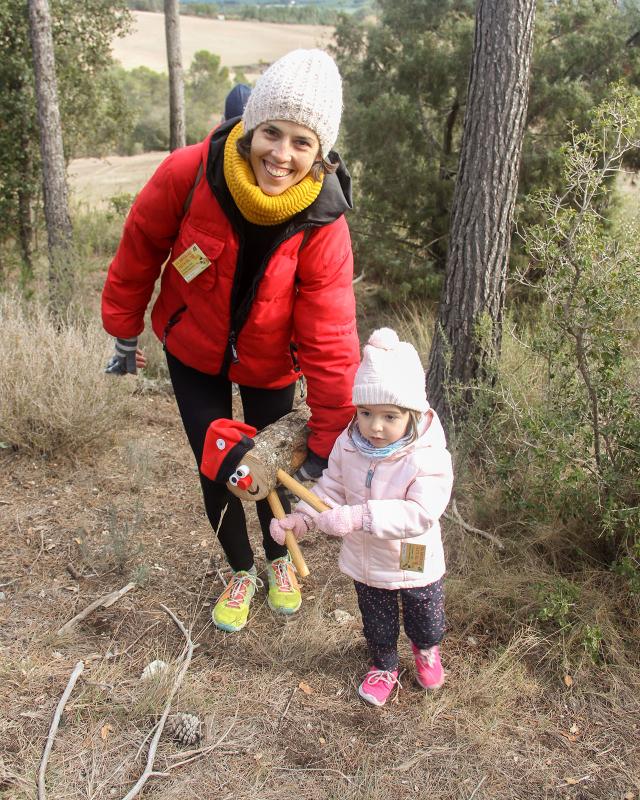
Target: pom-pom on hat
[225, 445]
[390, 374]
[304, 86]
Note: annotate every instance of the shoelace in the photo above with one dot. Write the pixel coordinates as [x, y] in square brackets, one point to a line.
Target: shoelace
[282, 576]
[428, 655]
[239, 589]
[384, 676]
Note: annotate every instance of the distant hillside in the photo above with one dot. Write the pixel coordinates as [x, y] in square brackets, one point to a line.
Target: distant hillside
[238, 43]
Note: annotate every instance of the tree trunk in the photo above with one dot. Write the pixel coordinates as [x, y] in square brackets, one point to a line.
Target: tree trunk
[25, 215]
[466, 342]
[56, 206]
[176, 82]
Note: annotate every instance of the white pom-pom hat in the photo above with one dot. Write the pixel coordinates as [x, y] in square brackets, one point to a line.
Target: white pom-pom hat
[390, 374]
[304, 86]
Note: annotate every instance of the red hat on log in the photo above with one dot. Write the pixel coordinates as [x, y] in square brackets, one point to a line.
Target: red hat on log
[225, 445]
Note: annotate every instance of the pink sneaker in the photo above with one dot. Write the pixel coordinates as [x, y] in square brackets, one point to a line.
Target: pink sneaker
[430, 674]
[378, 685]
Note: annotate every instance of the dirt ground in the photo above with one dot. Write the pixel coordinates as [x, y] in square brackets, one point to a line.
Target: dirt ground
[278, 698]
[239, 43]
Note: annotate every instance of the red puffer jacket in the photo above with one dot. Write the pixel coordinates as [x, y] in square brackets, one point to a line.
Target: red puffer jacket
[304, 293]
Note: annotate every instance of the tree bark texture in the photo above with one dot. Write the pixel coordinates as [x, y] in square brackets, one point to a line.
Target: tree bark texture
[56, 206]
[176, 81]
[468, 332]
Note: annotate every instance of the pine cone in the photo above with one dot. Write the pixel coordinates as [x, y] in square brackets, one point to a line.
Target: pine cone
[185, 728]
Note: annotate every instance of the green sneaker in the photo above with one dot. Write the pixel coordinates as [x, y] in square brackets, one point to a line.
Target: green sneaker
[284, 591]
[232, 609]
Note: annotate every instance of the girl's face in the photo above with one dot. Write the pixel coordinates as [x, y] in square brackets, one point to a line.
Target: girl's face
[382, 425]
[282, 153]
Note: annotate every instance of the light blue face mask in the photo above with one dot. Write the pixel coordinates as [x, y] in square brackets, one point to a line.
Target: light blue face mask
[365, 447]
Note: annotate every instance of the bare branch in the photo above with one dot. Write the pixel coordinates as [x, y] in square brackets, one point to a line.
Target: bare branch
[455, 517]
[102, 602]
[149, 771]
[53, 729]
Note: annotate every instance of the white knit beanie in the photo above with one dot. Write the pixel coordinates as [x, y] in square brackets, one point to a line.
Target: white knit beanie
[390, 374]
[304, 86]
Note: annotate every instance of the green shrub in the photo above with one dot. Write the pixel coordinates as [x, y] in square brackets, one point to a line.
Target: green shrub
[561, 436]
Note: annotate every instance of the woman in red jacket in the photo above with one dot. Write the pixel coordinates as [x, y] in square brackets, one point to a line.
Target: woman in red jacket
[251, 226]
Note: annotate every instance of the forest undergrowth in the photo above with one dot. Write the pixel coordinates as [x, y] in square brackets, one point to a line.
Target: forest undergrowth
[543, 677]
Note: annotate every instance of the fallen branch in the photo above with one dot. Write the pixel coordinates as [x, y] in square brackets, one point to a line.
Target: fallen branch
[474, 792]
[455, 517]
[286, 708]
[187, 654]
[315, 769]
[73, 572]
[53, 729]
[102, 602]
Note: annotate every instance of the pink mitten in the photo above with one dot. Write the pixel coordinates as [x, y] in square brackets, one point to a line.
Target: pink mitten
[298, 523]
[341, 520]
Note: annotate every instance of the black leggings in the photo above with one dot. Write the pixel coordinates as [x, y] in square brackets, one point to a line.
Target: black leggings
[202, 398]
[422, 613]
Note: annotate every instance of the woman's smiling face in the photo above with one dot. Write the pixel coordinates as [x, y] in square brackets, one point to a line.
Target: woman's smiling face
[282, 153]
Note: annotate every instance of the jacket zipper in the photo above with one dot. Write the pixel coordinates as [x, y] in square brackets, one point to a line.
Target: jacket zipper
[173, 319]
[365, 539]
[232, 345]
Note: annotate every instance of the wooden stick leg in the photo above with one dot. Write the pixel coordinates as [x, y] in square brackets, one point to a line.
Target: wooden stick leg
[301, 491]
[289, 539]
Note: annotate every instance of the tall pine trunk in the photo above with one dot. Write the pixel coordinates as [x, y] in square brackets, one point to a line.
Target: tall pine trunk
[176, 81]
[467, 339]
[56, 206]
[25, 210]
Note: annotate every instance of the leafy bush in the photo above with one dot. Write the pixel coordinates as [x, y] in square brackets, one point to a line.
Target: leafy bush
[561, 438]
[54, 395]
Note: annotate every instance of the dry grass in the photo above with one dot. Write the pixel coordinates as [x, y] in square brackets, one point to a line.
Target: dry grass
[505, 726]
[525, 712]
[54, 395]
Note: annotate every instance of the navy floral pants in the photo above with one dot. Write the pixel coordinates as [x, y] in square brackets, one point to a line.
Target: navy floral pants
[422, 614]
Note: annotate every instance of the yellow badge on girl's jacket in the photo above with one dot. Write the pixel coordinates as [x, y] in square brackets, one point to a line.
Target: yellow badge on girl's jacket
[412, 557]
[191, 263]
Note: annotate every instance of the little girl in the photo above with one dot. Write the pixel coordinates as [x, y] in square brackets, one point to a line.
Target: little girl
[388, 481]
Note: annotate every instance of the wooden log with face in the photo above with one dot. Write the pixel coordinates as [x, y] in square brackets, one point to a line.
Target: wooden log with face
[280, 447]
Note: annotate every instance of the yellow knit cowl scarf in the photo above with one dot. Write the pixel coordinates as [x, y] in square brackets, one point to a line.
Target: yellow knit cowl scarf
[254, 205]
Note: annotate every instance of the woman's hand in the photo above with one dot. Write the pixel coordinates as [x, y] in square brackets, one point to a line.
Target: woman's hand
[127, 358]
[341, 520]
[296, 522]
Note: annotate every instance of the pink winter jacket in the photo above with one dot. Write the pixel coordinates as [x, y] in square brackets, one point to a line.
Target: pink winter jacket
[408, 492]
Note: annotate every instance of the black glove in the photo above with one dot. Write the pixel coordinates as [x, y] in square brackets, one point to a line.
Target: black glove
[123, 361]
[312, 468]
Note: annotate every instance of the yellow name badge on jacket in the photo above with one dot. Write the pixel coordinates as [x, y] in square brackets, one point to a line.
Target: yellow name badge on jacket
[412, 557]
[191, 263]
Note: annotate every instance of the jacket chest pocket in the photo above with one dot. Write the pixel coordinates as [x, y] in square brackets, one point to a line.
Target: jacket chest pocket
[195, 256]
